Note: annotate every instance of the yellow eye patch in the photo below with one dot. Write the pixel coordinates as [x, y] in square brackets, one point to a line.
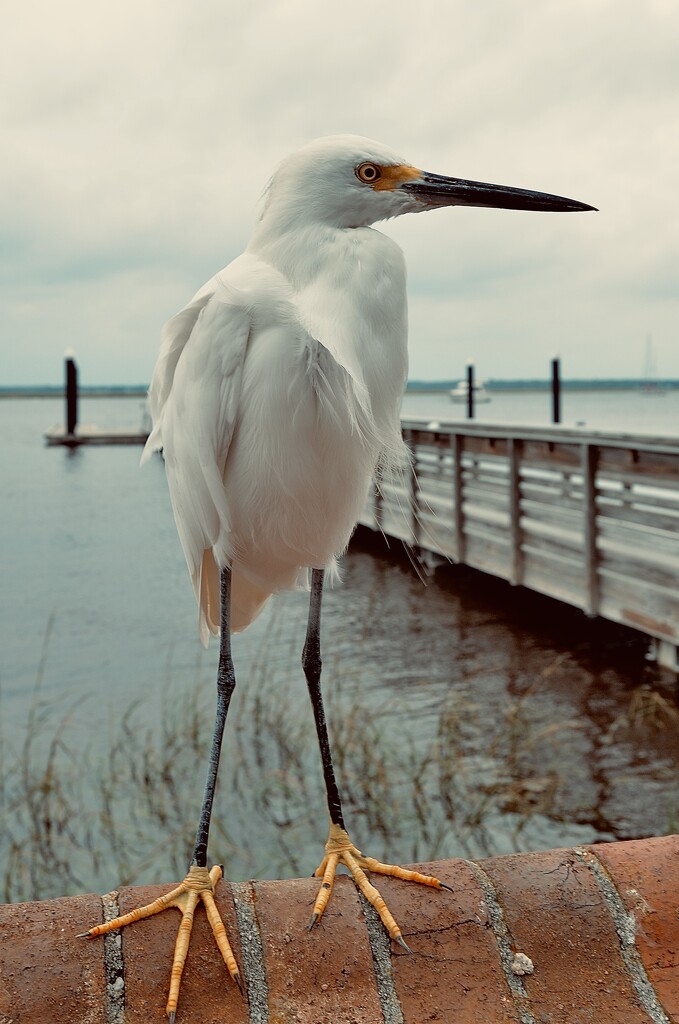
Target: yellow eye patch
[386, 178]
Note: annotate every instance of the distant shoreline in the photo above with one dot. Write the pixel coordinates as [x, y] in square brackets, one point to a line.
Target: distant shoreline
[414, 387]
[442, 387]
[58, 391]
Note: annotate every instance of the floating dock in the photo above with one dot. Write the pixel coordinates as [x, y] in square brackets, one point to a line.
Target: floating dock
[93, 435]
[588, 518]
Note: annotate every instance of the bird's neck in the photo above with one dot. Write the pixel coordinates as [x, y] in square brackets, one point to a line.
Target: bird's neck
[348, 287]
[299, 252]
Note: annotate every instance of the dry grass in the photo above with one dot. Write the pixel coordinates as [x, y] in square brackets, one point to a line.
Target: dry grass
[415, 788]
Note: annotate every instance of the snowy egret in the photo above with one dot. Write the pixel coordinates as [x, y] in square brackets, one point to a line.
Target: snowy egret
[275, 398]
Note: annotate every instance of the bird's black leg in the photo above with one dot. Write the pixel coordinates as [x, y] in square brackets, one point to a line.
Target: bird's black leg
[199, 884]
[339, 847]
[226, 683]
[311, 663]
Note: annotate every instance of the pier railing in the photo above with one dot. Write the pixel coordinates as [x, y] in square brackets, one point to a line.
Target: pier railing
[589, 518]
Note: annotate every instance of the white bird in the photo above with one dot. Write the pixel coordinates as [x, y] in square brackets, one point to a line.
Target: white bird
[275, 398]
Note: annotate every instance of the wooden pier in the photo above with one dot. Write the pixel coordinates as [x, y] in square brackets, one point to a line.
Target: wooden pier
[588, 518]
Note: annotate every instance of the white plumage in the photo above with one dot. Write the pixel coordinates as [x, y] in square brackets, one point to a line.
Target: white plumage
[278, 387]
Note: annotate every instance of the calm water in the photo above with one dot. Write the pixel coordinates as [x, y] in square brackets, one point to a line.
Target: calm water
[630, 411]
[467, 720]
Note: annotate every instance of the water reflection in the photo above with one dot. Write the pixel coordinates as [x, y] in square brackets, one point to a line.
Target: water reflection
[467, 719]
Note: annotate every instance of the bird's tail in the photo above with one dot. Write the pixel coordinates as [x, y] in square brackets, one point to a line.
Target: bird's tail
[247, 599]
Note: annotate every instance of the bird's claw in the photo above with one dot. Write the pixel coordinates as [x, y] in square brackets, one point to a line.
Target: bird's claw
[339, 848]
[198, 886]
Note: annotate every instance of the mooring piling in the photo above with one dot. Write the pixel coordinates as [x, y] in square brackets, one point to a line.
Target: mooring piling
[556, 390]
[71, 374]
[470, 391]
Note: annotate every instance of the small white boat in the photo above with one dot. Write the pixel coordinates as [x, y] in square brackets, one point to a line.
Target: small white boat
[461, 390]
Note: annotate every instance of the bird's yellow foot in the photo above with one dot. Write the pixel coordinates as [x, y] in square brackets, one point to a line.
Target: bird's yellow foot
[199, 885]
[339, 849]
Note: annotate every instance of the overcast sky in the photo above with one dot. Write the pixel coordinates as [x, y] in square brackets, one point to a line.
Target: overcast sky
[137, 137]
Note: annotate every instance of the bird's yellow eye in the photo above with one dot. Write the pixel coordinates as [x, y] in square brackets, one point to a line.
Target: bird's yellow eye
[368, 173]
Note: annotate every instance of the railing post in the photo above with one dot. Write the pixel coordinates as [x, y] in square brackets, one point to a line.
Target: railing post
[590, 458]
[414, 511]
[458, 514]
[515, 549]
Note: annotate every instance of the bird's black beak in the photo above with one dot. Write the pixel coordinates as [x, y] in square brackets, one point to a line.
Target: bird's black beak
[437, 190]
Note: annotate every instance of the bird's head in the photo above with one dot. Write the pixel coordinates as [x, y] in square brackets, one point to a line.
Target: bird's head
[350, 181]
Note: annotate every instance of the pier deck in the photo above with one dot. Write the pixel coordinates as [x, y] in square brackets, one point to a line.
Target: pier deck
[588, 518]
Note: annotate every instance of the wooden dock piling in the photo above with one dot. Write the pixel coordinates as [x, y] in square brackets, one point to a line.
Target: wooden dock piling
[71, 374]
[470, 391]
[556, 390]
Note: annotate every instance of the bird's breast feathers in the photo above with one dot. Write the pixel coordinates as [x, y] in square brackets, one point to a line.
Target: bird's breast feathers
[350, 304]
[310, 376]
[351, 307]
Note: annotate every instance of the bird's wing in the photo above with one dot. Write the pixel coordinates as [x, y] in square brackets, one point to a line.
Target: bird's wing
[174, 337]
[197, 390]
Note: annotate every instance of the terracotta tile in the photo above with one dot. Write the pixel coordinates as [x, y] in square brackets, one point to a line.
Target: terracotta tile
[556, 914]
[46, 973]
[552, 904]
[323, 976]
[645, 874]
[454, 972]
[208, 995]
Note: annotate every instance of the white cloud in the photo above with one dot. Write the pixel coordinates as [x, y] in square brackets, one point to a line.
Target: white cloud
[138, 137]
